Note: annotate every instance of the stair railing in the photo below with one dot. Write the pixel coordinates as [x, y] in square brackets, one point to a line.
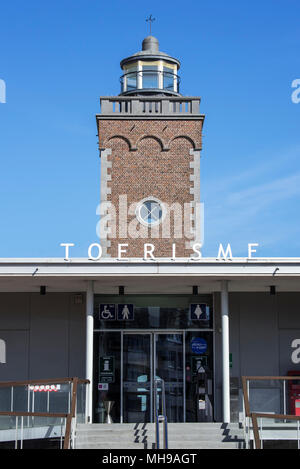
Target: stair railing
[26, 417]
[160, 416]
[252, 417]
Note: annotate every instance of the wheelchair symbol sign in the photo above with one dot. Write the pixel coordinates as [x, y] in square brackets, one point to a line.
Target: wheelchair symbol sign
[107, 312]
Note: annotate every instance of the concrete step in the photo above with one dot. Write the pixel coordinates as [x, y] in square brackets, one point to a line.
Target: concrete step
[142, 436]
[113, 446]
[186, 426]
[172, 436]
[151, 444]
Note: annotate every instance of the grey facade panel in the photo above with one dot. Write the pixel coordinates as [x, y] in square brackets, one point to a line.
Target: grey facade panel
[288, 310]
[77, 339]
[14, 311]
[43, 336]
[15, 367]
[259, 345]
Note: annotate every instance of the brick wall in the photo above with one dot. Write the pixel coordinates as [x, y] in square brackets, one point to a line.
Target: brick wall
[149, 158]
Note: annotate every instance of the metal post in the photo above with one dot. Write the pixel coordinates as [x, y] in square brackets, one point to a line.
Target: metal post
[90, 345]
[225, 351]
[122, 377]
[16, 437]
[139, 80]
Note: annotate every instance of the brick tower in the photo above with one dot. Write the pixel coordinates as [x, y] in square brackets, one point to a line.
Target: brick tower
[150, 143]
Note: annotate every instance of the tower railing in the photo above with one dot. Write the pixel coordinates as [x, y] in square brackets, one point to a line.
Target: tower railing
[149, 105]
[133, 82]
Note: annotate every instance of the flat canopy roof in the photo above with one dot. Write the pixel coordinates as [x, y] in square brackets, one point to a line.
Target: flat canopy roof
[152, 276]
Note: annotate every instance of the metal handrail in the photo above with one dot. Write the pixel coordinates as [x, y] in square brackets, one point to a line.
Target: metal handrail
[248, 414]
[160, 417]
[70, 416]
[255, 415]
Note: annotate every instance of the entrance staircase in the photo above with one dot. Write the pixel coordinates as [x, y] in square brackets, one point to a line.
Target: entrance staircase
[142, 436]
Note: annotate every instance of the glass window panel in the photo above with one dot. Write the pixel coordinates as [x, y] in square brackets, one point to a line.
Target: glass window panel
[151, 212]
[137, 378]
[5, 399]
[199, 377]
[131, 81]
[150, 76]
[168, 82]
[107, 345]
[169, 367]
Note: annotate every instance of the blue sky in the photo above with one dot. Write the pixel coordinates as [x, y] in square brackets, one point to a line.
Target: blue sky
[57, 58]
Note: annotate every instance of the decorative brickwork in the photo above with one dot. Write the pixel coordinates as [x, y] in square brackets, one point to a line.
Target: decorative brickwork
[144, 158]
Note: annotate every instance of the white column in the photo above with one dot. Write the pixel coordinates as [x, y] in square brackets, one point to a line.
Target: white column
[89, 346]
[139, 75]
[160, 74]
[225, 351]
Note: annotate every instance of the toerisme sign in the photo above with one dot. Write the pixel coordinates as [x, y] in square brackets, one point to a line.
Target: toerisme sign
[95, 252]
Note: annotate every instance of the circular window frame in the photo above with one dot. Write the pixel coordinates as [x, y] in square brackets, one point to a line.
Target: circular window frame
[140, 205]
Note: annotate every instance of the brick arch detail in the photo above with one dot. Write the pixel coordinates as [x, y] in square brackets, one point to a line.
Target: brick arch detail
[185, 137]
[154, 137]
[121, 137]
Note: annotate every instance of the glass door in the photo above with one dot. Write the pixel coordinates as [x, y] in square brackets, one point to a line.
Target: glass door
[147, 356]
[169, 366]
[137, 377]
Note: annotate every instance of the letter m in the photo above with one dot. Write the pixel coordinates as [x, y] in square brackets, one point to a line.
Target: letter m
[222, 253]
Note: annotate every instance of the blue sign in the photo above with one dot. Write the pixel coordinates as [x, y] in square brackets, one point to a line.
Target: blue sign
[199, 312]
[125, 312]
[107, 312]
[198, 345]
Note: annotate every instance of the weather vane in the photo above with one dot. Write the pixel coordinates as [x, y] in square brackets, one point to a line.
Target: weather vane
[150, 21]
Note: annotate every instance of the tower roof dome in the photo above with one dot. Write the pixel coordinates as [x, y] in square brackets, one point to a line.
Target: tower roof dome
[150, 50]
[150, 43]
[150, 71]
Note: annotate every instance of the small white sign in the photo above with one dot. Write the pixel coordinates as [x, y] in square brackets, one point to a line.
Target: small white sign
[44, 388]
[201, 404]
[102, 386]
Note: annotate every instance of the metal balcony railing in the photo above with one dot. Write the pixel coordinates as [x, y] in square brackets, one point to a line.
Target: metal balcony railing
[145, 80]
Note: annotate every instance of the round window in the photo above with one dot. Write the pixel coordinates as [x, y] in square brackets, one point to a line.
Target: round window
[150, 212]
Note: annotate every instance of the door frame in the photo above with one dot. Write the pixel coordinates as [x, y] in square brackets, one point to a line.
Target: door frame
[152, 333]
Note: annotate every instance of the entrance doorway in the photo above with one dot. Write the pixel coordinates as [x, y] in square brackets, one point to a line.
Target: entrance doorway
[127, 362]
[147, 356]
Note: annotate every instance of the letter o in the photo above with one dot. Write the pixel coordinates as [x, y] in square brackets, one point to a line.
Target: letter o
[98, 246]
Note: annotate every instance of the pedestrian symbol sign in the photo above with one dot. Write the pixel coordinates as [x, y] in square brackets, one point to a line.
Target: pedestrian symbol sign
[199, 312]
[125, 312]
[107, 312]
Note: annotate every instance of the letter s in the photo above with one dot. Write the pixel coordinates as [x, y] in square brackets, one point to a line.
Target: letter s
[296, 94]
[295, 357]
